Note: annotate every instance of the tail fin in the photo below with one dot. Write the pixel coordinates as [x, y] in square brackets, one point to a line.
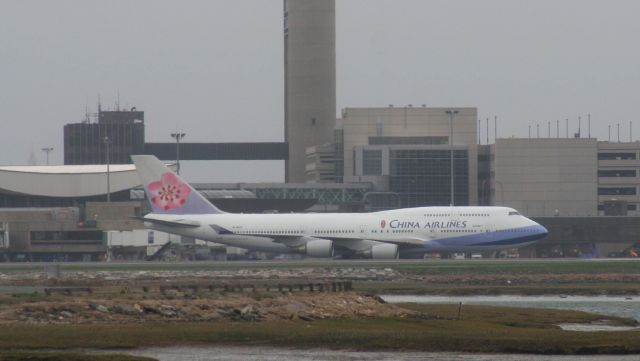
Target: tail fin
[166, 192]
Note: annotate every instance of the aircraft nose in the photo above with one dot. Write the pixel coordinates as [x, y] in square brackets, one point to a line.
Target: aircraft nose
[540, 230]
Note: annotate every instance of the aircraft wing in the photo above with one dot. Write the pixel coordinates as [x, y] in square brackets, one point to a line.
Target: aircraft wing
[298, 240]
[345, 242]
[412, 241]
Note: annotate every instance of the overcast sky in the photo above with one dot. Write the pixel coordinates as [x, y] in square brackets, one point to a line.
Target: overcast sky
[214, 69]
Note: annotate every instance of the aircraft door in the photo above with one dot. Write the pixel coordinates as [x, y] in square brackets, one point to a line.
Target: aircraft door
[488, 230]
[454, 214]
[364, 232]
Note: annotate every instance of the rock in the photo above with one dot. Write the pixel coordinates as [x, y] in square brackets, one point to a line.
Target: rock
[295, 307]
[125, 309]
[99, 308]
[170, 294]
[246, 310]
[167, 311]
[379, 299]
[66, 314]
[150, 309]
[305, 317]
[223, 313]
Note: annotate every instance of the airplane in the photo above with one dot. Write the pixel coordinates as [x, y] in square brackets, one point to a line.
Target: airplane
[178, 208]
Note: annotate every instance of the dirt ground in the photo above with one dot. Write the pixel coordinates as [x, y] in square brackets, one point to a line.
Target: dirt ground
[120, 296]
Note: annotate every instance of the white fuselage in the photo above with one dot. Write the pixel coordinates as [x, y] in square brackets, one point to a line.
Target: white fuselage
[424, 229]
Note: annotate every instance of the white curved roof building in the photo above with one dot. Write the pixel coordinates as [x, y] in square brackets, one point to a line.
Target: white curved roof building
[67, 180]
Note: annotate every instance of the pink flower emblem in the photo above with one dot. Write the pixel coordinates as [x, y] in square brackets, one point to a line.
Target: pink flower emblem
[168, 192]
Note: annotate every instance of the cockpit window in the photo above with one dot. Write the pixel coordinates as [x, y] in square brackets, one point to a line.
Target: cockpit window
[514, 213]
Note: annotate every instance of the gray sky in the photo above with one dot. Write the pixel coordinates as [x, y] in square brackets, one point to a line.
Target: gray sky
[213, 69]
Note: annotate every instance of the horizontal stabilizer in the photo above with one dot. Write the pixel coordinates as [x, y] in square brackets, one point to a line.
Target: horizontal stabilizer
[182, 223]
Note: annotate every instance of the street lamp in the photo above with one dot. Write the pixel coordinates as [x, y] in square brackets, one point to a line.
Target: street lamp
[47, 150]
[177, 137]
[107, 144]
[451, 113]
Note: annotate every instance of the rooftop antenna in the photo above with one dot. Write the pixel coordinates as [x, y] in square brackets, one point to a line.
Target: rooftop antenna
[566, 127]
[549, 129]
[589, 124]
[529, 131]
[557, 128]
[99, 105]
[495, 128]
[579, 126]
[487, 131]
[86, 109]
[538, 130]
[618, 132]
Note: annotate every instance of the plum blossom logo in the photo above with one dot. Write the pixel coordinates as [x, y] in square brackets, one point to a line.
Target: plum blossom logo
[383, 223]
[168, 192]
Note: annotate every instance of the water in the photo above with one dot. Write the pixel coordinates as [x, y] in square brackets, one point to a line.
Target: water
[235, 353]
[611, 306]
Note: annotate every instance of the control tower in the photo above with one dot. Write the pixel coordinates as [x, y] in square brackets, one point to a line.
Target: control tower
[310, 79]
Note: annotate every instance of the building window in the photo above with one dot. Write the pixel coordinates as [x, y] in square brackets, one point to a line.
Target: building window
[380, 140]
[616, 156]
[422, 177]
[372, 162]
[615, 191]
[617, 173]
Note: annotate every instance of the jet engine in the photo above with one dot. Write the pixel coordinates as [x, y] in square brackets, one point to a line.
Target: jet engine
[321, 248]
[384, 251]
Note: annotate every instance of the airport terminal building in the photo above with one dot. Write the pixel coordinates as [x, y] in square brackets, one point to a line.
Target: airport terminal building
[404, 153]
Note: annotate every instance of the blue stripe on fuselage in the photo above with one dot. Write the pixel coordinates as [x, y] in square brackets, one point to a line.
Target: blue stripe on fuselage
[508, 237]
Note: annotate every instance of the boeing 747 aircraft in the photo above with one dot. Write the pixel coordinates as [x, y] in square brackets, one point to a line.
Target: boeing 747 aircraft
[179, 209]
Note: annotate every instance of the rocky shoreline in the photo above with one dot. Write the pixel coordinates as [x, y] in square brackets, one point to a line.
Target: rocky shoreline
[219, 308]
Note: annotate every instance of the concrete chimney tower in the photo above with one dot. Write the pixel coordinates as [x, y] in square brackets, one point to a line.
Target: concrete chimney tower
[310, 79]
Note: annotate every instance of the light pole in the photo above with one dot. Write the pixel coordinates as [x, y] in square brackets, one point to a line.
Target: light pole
[177, 137]
[451, 113]
[107, 144]
[47, 150]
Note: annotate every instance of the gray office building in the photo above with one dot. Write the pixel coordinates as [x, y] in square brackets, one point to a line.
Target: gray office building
[417, 175]
[310, 79]
[546, 176]
[84, 143]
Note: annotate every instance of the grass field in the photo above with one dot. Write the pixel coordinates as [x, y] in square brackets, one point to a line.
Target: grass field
[480, 329]
[433, 267]
[64, 356]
